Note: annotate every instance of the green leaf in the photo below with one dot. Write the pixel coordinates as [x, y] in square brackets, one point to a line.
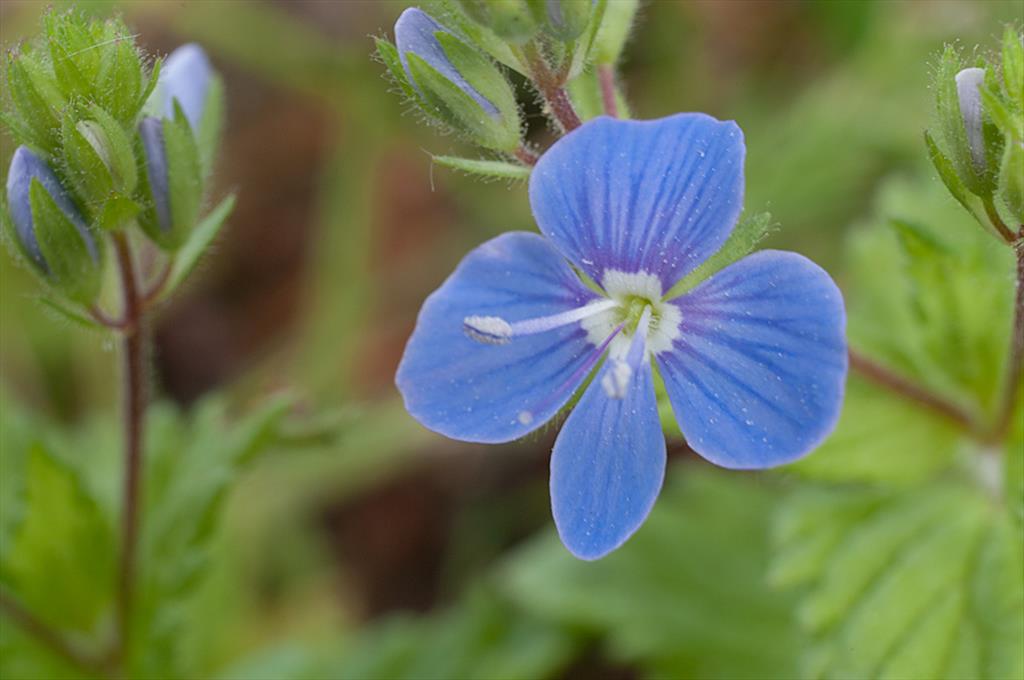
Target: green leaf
[61, 560]
[750, 231]
[35, 117]
[917, 584]
[882, 437]
[1011, 178]
[199, 241]
[928, 295]
[481, 637]
[686, 596]
[484, 168]
[1013, 67]
[211, 125]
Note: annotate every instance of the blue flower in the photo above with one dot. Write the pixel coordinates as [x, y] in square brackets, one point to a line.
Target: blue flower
[753, 359]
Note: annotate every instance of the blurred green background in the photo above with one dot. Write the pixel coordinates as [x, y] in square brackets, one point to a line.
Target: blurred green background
[392, 552]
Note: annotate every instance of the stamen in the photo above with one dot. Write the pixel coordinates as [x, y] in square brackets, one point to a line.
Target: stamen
[526, 417]
[616, 380]
[494, 330]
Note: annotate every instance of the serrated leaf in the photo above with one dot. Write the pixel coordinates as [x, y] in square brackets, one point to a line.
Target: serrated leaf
[199, 241]
[882, 437]
[686, 596]
[481, 637]
[923, 584]
[61, 560]
[484, 168]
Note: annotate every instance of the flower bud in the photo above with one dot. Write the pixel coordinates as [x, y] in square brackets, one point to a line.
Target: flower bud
[511, 20]
[563, 20]
[171, 177]
[968, 82]
[49, 230]
[185, 77]
[455, 83]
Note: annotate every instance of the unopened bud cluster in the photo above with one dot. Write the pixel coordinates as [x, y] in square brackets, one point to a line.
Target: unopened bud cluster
[978, 143]
[106, 141]
[453, 67]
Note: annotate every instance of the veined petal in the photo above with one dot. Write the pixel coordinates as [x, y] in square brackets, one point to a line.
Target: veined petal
[655, 196]
[474, 391]
[757, 375]
[608, 464]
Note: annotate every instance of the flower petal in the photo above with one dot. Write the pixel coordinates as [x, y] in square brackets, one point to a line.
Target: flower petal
[607, 466]
[473, 391]
[656, 196]
[185, 77]
[756, 377]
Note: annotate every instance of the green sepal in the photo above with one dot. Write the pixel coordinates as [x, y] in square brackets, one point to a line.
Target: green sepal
[147, 91]
[951, 179]
[1011, 178]
[69, 313]
[484, 168]
[1013, 67]
[951, 122]
[574, 17]
[211, 124]
[119, 155]
[511, 20]
[121, 80]
[614, 30]
[72, 269]
[451, 105]
[1003, 118]
[86, 168]
[481, 36]
[184, 184]
[117, 212]
[388, 54]
[581, 49]
[73, 83]
[187, 257]
[35, 118]
[484, 77]
[750, 231]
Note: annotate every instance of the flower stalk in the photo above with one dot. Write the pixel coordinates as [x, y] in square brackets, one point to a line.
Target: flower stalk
[552, 87]
[606, 77]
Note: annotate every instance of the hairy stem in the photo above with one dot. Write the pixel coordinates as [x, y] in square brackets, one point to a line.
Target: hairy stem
[996, 220]
[525, 156]
[1015, 359]
[48, 637]
[133, 376]
[885, 377]
[606, 76]
[551, 87]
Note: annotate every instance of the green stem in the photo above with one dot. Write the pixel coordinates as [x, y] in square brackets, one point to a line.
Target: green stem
[1015, 358]
[996, 220]
[551, 87]
[133, 376]
[606, 77]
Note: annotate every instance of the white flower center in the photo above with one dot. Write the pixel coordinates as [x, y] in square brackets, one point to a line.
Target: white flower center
[632, 292]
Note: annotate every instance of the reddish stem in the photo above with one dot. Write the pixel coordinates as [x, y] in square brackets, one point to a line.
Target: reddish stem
[551, 88]
[606, 76]
[525, 156]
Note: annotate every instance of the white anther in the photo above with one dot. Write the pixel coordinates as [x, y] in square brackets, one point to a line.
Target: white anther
[616, 380]
[492, 330]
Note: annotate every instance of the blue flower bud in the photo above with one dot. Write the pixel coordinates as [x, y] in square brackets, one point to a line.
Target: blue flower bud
[968, 82]
[415, 31]
[25, 167]
[151, 132]
[565, 19]
[185, 77]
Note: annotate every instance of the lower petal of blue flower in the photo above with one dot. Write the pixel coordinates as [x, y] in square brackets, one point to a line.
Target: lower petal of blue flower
[475, 391]
[757, 374]
[608, 464]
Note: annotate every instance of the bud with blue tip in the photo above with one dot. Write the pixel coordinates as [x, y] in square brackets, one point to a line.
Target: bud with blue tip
[177, 144]
[563, 20]
[978, 147]
[452, 81]
[49, 230]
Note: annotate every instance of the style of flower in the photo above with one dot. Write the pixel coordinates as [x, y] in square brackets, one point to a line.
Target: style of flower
[753, 359]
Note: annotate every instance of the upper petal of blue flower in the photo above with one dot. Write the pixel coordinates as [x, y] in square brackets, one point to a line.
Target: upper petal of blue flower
[472, 391]
[185, 77]
[657, 196]
[415, 32]
[756, 377]
[607, 466]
